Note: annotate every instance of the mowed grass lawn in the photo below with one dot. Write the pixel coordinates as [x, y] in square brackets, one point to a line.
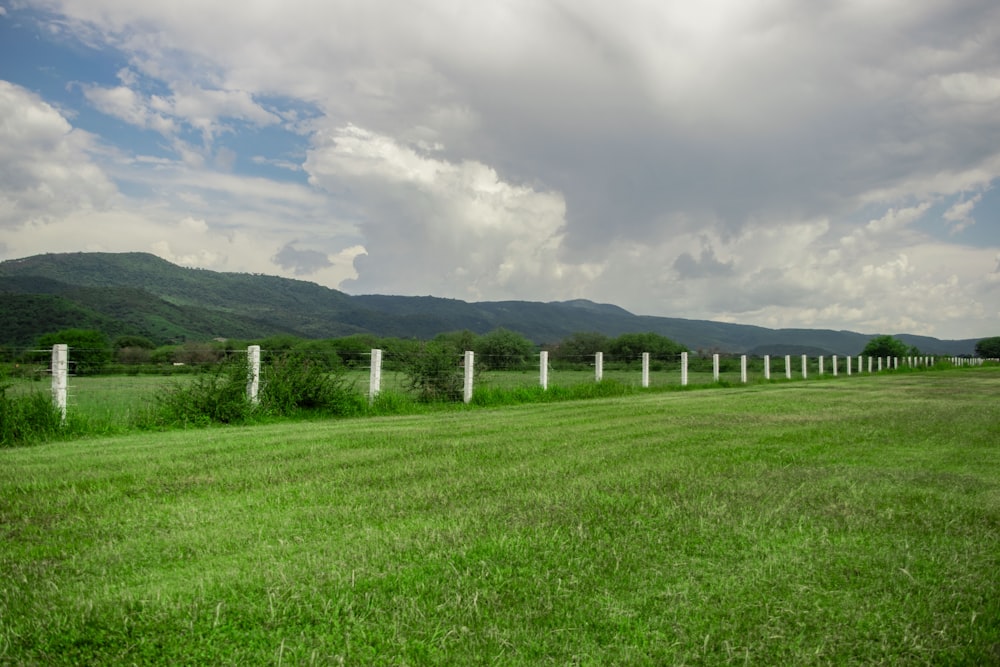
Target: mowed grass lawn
[832, 522]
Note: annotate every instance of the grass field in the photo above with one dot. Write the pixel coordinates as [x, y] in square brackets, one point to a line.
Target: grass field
[853, 522]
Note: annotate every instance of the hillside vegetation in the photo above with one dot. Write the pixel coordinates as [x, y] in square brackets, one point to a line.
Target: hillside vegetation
[141, 294]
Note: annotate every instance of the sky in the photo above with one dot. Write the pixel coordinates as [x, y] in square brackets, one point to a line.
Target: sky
[771, 162]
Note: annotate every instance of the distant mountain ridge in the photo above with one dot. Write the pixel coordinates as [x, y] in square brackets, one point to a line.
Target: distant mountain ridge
[142, 294]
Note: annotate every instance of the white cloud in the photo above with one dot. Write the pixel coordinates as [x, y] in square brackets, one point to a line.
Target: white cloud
[444, 227]
[959, 215]
[769, 162]
[45, 165]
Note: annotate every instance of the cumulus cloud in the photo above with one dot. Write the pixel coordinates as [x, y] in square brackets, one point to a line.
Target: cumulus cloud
[776, 163]
[46, 168]
[437, 226]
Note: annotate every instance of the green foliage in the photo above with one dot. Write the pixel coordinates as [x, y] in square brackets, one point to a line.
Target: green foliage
[581, 346]
[89, 350]
[355, 351]
[461, 340]
[133, 341]
[26, 417]
[630, 346]
[216, 395]
[886, 346]
[293, 383]
[436, 373]
[395, 351]
[502, 349]
[988, 348]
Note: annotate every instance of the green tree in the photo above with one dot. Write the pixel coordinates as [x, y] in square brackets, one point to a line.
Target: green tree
[89, 350]
[502, 349]
[581, 347]
[631, 345]
[355, 351]
[886, 346]
[133, 341]
[463, 340]
[989, 348]
[132, 349]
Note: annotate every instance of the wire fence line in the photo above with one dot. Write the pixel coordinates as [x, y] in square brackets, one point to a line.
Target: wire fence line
[77, 383]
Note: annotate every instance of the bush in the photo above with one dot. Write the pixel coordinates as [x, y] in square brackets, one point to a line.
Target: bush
[436, 372]
[26, 418]
[216, 395]
[293, 383]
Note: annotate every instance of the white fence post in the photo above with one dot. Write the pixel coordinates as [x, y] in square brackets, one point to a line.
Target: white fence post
[834, 365]
[645, 369]
[715, 368]
[543, 368]
[880, 364]
[470, 360]
[849, 359]
[767, 366]
[60, 369]
[375, 375]
[253, 374]
[805, 367]
[821, 364]
[684, 369]
[870, 364]
[788, 367]
[598, 366]
[743, 368]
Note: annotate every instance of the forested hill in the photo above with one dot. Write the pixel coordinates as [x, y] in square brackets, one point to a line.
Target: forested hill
[141, 294]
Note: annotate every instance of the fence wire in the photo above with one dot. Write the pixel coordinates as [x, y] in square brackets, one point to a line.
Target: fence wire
[130, 381]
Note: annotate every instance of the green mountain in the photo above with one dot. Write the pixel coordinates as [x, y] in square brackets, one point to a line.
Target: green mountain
[141, 294]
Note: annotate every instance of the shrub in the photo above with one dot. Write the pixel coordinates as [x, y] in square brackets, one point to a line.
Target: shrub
[436, 372]
[26, 418]
[217, 394]
[294, 383]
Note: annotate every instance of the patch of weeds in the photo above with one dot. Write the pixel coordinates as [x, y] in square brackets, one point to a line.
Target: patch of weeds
[217, 395]
[294, 384]
[26, 417]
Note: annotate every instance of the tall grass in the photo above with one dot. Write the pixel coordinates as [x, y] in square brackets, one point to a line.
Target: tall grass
[792, 523]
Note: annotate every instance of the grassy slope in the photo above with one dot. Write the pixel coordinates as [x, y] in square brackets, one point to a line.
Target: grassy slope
[808, 523]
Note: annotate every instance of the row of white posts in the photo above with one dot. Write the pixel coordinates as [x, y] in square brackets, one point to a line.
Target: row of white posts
[60, 370]
[874, 363]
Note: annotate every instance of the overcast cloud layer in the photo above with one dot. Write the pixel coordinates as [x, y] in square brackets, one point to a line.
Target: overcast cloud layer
[778, 163]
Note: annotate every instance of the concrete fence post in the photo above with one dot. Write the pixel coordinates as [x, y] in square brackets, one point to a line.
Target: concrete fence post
[767, 366]
[375, 375]
[253, 374]
[60, 370]
[743, 368]
[849, 358]
[470, 361]
[834, 365]
[805, 367]
[684, 369]
[821, 364]
[715, 368]
[598, 366]
[788, 367]
[645, 369]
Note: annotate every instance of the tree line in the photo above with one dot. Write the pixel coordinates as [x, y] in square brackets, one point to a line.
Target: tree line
[500, 349]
